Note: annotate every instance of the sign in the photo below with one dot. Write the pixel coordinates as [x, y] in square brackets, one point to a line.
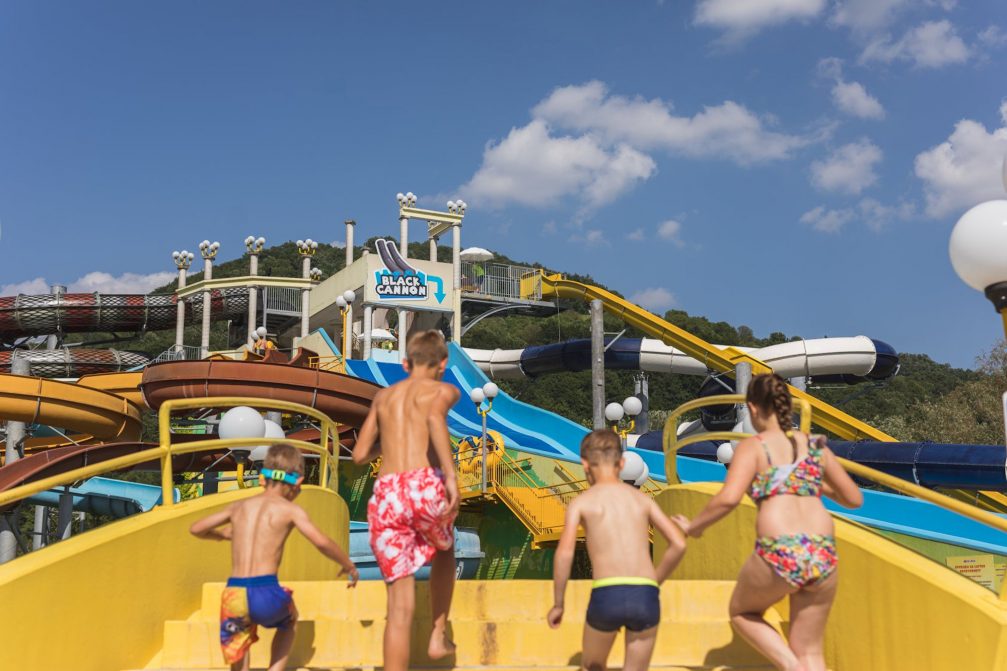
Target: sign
[979, 568]
[413, 283]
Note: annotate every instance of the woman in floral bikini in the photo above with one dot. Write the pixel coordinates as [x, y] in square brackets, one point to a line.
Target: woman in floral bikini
[786, 473]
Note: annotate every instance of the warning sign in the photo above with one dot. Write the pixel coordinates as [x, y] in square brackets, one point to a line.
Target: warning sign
[979, 568]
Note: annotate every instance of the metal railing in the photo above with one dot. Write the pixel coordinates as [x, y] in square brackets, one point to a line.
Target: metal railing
[178, 353]
[672, 444]
[166, 449]
[332, 363]
[284, 300]
[497, 279]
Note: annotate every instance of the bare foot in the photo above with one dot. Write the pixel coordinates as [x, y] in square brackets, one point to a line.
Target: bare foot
[440, 645]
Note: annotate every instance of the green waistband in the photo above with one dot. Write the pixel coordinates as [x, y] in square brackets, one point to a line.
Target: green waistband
[612, 582]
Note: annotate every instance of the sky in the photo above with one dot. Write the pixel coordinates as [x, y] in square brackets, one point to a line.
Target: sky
[790, 165]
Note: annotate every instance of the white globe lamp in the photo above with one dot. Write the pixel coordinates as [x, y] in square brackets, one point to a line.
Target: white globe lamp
[477, 395]
[349, 296]
[633, 406]
[978, 250]
[241, 422]
[614, 412]
[633, 467]
[273, 430]
[725, 453]
[491, 390]
[261, 331]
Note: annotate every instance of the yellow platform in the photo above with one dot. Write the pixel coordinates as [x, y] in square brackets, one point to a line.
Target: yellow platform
[496, 624]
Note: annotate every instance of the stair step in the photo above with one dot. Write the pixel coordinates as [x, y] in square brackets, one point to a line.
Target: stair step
[478, 600]
[325, 642]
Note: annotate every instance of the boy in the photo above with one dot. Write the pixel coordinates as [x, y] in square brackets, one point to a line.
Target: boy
[415, 498]
[626, 592]
[258, 529]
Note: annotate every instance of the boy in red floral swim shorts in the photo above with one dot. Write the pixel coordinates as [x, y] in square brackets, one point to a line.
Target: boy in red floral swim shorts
[415, 498]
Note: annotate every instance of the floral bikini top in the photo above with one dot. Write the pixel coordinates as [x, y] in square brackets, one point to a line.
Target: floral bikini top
[801, 478]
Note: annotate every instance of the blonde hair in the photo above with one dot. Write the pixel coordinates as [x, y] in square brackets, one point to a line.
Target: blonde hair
[284, 457]
[601, 446]
[426, 348]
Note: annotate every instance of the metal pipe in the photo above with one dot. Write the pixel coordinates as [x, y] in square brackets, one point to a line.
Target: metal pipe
[456, 268]
[39, 529]
[53, 340]
[484, 413]
[597, 364]
[64, 519]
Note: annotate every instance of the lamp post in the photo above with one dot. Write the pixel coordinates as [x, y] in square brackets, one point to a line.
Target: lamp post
[307, 249]
[254, 246]
[486, 393]
[208, 250]
[456, 207]
[405, 200]
[345, 302]
[614, 413]
[183, 260]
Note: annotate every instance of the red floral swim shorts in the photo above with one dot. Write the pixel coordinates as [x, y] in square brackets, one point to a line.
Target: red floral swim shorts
[409, 521]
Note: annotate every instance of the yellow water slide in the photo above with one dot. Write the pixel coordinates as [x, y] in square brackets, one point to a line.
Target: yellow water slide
[827, 417]
[76, 408]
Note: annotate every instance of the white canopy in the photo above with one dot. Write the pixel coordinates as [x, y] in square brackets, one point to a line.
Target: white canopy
[379, 335]
[476, 254]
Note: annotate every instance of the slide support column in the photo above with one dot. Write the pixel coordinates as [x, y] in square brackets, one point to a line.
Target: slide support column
[597, 365]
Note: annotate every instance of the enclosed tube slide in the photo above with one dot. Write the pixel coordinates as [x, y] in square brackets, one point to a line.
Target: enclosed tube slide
[24, 316]
[826, 359]
[73, 362]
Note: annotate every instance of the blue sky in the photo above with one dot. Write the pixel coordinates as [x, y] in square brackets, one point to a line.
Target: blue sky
[792, 165]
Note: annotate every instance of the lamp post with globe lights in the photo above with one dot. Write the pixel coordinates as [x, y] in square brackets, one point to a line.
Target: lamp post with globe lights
[183, 260]
[483, 398]
[406, 200]
[254, 246]
[978, 251]
[208, 250]
[307, 249]
[614, 413]
[344, 303]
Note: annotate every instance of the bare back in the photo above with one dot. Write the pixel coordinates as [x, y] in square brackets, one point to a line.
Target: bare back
[403, 412]
[788, 514]
[259, 528]
[616, 519]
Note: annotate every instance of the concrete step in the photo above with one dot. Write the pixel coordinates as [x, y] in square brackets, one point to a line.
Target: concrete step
[325, 642]
[481, 600]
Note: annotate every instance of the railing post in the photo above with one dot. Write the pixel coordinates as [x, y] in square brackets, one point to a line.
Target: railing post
[323, 476]
[65, 516]
[164, 437]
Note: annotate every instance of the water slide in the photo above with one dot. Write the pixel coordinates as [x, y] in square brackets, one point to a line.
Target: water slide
[73, 362]
[827, 417]
[826, 359]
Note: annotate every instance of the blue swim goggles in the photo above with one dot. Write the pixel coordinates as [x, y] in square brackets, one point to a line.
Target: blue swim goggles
[280, 476]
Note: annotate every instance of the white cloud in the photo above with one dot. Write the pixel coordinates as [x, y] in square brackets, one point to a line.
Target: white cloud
[877, 216]
[992, 36]
[849, 169]
[929, 45]
[636, 235]
[671, 231]
[965, 169]
[740, 19]
[827, 221]
[865, 17]
[850, 97]
[728, 130]
[532, 167]
[656, 299]
[592, 238]
[339, 244]
[127, 283]
[853, 98]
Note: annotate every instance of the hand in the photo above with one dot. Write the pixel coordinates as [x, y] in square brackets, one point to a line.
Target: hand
[353, 573]
[686, 526]
[451, 488]
[555, 616]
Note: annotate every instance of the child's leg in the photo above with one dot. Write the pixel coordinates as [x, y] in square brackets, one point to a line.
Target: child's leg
[757, 589]
[245, 664]
[401, 603]
[442, 585]
[283, 641]
[809, 613]
[639, 648]
[597, 645]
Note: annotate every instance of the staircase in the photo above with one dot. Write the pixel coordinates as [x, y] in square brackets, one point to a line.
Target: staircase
[497, 625]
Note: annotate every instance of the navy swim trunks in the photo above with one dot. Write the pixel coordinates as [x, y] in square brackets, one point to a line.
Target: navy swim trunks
[633, 603]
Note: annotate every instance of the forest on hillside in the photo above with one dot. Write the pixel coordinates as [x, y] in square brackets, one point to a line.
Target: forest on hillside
[927, 400]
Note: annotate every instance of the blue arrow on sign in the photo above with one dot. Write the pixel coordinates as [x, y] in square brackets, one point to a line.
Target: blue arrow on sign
[439, 294]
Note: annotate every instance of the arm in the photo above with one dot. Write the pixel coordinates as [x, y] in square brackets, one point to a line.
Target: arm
[207, 530]
[836, 482]
[676, 541]
[366, 448]
[325, 545]
[739, 479]
[437, 426]
[562, 561]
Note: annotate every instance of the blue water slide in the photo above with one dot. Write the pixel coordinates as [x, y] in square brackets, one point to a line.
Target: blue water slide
[107, 496]
[523, 426]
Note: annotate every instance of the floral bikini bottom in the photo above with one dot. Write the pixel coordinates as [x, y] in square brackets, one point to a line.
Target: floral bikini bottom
[800, 559]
